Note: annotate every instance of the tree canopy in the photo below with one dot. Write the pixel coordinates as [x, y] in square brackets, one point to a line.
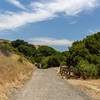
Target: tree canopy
[88, 52]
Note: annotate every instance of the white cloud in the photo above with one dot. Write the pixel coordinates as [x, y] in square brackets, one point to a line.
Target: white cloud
[40, 11]
[15, 20]
[70, 7]
[50, 41]
[16, 3]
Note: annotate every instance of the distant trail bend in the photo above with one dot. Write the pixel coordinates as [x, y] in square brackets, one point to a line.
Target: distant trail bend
[47, 85]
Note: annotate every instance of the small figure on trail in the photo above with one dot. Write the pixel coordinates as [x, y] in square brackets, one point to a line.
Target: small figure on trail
[40, 66]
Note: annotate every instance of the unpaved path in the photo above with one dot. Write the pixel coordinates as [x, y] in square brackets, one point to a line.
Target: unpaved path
[47, 85]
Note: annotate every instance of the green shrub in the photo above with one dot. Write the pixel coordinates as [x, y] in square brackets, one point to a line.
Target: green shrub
[27, 51]
[44, 63]
[45, 51]
[53, 62]
[63, 63]
[18, 42]
[87, 70]
[39, 59]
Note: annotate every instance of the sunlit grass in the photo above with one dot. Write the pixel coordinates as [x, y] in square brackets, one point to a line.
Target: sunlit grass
[14, 70]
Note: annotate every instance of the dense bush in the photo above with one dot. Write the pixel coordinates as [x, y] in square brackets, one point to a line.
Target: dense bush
[39, 59]
[44, 51]
[17, 43]
[44, 63]
[93, 43]
[27, 51]
[24, 49]
[85, 56]
[53, 61]
[77, 52]
[87, 70]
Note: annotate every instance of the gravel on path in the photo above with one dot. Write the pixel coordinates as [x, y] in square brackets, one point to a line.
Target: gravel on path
[45, 84]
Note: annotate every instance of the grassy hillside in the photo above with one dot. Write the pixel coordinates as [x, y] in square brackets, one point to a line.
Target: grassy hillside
[14, 70]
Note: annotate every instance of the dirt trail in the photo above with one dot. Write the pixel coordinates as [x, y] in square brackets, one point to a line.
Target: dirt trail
[47, 85]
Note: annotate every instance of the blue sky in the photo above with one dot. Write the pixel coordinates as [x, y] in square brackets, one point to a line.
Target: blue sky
[56, 23]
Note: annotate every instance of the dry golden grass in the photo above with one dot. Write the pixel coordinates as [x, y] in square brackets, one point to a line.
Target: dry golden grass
[14, 70]
[91, 87]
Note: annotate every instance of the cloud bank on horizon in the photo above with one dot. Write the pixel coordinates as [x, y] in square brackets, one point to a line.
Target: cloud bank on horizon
[50, 41]
[41, 11]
